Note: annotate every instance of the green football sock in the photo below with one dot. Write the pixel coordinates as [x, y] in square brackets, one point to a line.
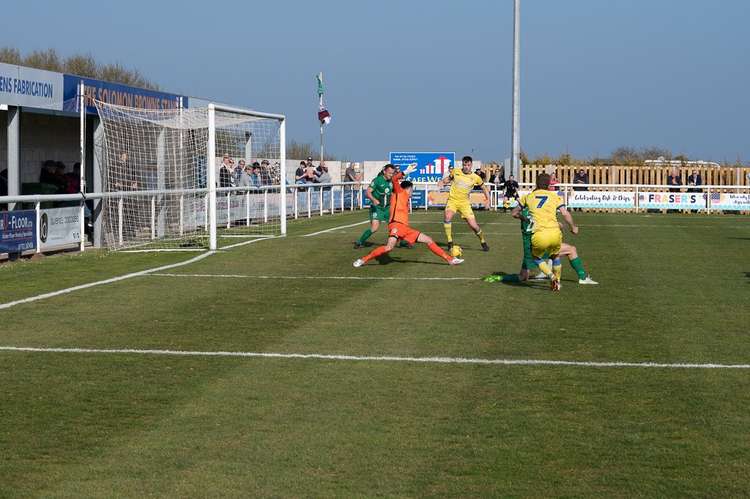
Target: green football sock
[365, 236]
[577, 265]
[511, 278]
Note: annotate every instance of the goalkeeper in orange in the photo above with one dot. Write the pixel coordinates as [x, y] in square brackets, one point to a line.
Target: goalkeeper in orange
[398, 224]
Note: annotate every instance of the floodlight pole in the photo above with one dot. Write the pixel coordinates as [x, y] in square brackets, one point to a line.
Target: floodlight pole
[515, 151]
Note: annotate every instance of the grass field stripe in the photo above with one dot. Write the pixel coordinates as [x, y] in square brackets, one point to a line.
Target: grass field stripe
[336, 228]
[52, 294]
[380, 358]
[316, 277]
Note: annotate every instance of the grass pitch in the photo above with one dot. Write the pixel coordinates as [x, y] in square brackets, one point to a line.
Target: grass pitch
[674, 289]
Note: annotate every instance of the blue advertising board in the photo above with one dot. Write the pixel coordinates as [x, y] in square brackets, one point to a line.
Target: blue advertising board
[431, 166]
[115, 93]
[17, 231]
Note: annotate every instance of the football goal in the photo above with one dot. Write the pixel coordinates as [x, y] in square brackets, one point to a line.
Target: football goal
[189, 177]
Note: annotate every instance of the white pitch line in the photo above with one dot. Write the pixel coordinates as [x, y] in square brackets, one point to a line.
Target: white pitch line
[380, 358]
[245, 243]
[312, 277]
[105, 281]
[164, 250]
[336, 228]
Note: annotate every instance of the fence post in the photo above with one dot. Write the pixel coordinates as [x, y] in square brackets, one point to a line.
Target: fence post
[637, 200]
[309, 202]
[182, 213]
[38, 215]
[295, 190]
[708, 200]
[120, 210]
[320, 201]
[247, 209]
[265, 206]
[229, 210]
[153, 217]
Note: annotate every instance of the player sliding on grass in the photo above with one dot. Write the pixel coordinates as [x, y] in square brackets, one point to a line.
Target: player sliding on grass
[546, 238]
[379, 194]
[462, 182]
[398, 224]
[528, 260]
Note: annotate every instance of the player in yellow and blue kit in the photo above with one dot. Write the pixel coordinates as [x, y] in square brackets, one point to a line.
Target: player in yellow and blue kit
[462, 182]
[546, 238]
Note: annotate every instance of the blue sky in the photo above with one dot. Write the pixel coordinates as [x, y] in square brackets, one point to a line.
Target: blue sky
[425, 75]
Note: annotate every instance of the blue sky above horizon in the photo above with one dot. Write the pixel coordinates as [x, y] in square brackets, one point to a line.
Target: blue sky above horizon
[427, 75]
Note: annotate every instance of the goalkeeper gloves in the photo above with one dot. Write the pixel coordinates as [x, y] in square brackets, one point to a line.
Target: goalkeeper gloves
[410, 169]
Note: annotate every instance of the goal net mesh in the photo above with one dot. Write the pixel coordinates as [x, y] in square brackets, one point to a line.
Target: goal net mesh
[156, 164]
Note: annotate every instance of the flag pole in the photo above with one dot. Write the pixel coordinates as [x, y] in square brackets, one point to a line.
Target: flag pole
[321, 107]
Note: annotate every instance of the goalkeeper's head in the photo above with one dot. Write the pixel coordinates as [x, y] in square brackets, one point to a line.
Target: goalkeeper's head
[407, 186]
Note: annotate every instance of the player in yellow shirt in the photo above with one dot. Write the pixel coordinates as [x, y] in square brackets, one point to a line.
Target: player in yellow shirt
[546, 239]
[462, 182]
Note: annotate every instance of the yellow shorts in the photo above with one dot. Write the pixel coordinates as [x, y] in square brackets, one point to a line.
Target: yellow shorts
[463, 208]
[546, 243]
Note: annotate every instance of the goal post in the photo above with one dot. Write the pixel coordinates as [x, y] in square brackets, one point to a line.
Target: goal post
[190, 177]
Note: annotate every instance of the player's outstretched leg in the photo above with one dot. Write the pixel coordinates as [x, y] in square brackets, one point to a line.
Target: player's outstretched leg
[379, 251]
[423, 238]
[575, 261]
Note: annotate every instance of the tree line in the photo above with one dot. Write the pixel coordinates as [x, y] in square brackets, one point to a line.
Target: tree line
[77, 64]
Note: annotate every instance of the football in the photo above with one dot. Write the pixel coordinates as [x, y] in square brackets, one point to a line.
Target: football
[456, 251]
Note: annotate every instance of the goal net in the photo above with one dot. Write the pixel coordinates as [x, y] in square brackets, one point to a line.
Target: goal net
[189, 178]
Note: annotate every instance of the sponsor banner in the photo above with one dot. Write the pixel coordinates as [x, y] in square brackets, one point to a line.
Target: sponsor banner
[115, 93]
[440, 198]
[418, 198]
[21, 86]
[728, 201]
[596, 199]
[17, 231]
[59, 227]
[672, 200]
[431, 166]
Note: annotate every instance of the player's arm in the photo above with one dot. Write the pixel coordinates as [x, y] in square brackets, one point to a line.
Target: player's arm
[445, 180]
[368, 194]
[568, 219]
[396, 181]
[486, 190]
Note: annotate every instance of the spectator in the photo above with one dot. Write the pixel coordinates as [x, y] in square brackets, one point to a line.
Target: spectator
[351, 174]
[695, 180]
[244, 180]
[324, 177]
[73, 180]
[265, 173]
[256, 177]
[674, 181]
[4, 182]
[553, 181]
[581, 178]
[238, 171]
[226, 172]
[47, 174]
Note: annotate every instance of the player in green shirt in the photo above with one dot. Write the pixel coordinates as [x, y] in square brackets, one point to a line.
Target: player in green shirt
[379, 194]
[527, 229]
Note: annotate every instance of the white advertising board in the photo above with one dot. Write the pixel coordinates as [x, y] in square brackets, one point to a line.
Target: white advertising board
[672, 200]
[59, 228]
[597, 199]
[21, 86]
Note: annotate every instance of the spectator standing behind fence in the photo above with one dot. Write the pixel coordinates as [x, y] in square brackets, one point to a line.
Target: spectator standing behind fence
[244, 180]
[238, 171]
[580, 179]
[256, 178]
[674, 181]
[226, 172]
[265, 173]
[351, 174]
[695, 180]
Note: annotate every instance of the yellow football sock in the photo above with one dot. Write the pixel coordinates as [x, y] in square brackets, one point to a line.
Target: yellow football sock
[545, 267]
[557, 268]
[448, 231]
[480, 235]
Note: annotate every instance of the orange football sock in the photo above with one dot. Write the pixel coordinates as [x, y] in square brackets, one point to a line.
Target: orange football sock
[439, 251]
[380, 250]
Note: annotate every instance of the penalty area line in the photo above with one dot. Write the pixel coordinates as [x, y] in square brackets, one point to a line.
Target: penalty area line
[335, 228]
[379, 358]
[316, 277]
